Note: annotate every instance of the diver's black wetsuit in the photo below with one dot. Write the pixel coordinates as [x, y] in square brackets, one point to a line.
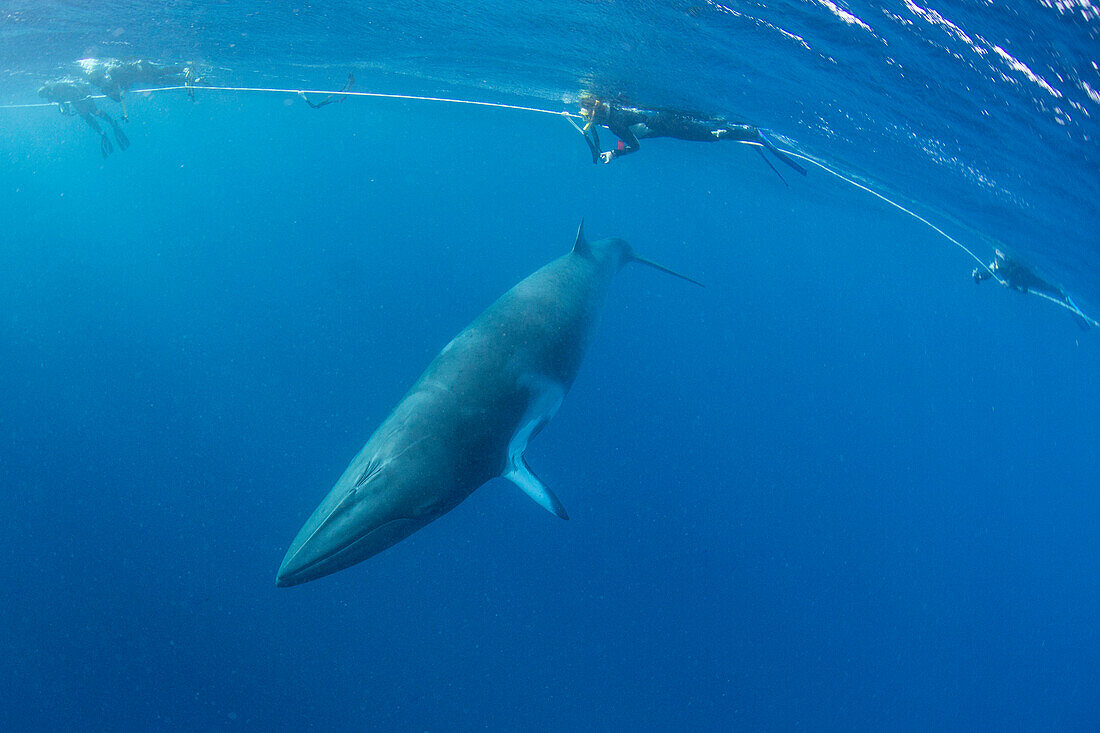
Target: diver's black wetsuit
[114, 78]
[1017, 276]
[72, 99]
[1021, 278]
[630, 124]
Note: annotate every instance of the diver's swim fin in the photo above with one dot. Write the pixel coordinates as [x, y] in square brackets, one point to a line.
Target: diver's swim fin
[779, 153]
[774, 169]
[334, 97]
[593, 145]
[1078, 316]
[120, 136]
[593, 142]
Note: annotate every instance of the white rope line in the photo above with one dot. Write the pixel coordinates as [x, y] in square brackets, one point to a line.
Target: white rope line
[270, 90]
[1070, 306]
[54, 104]
[896, 205]
[375, 95]
[569, 117]
[578, 128]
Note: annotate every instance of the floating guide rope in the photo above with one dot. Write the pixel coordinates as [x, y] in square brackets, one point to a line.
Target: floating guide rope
[1068, 303]
[299, 92]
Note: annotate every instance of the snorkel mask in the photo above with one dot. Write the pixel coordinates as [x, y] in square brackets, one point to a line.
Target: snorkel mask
[589, 116]
[590, 106]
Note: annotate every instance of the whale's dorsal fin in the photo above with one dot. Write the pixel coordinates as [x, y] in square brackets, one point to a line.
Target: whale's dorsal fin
[520, 474]
[581, 246]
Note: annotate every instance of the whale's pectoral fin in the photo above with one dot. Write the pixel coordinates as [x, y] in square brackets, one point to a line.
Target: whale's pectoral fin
[520, 474]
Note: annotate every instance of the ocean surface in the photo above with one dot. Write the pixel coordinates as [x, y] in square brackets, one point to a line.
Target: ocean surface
[840, 488]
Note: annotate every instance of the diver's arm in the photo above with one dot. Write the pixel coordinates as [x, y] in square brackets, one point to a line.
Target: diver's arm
[980, 274]
[89, 120]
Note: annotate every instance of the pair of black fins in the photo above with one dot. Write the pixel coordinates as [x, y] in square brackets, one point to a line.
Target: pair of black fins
[333, 98]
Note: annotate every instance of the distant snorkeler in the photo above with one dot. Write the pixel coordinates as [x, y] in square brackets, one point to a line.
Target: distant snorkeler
[114, 78]
[332, 98]
[72, 98]
[192, 78]
[631, 124]
[1014, 274]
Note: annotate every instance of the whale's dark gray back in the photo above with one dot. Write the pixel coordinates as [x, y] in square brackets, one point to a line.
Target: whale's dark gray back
[547, 320]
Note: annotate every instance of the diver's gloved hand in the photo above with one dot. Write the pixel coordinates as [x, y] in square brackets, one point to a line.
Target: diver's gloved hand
[607, 156]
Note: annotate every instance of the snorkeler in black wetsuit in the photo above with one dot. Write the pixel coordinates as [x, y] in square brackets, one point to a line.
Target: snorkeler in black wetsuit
[114, 78]
[72, 99]
[1017, 276]
[631, 124]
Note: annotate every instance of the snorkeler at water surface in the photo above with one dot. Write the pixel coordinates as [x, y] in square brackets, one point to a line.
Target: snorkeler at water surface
[631, 124]
[72, 99]
[1015, 275]
[114, 78]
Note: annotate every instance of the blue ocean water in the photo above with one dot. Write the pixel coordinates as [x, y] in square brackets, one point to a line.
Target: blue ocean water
[839, 488]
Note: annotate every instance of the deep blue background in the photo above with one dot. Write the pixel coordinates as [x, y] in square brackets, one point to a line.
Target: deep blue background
[841, 487]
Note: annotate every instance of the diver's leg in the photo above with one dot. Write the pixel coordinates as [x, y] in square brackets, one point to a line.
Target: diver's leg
[736, 133]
